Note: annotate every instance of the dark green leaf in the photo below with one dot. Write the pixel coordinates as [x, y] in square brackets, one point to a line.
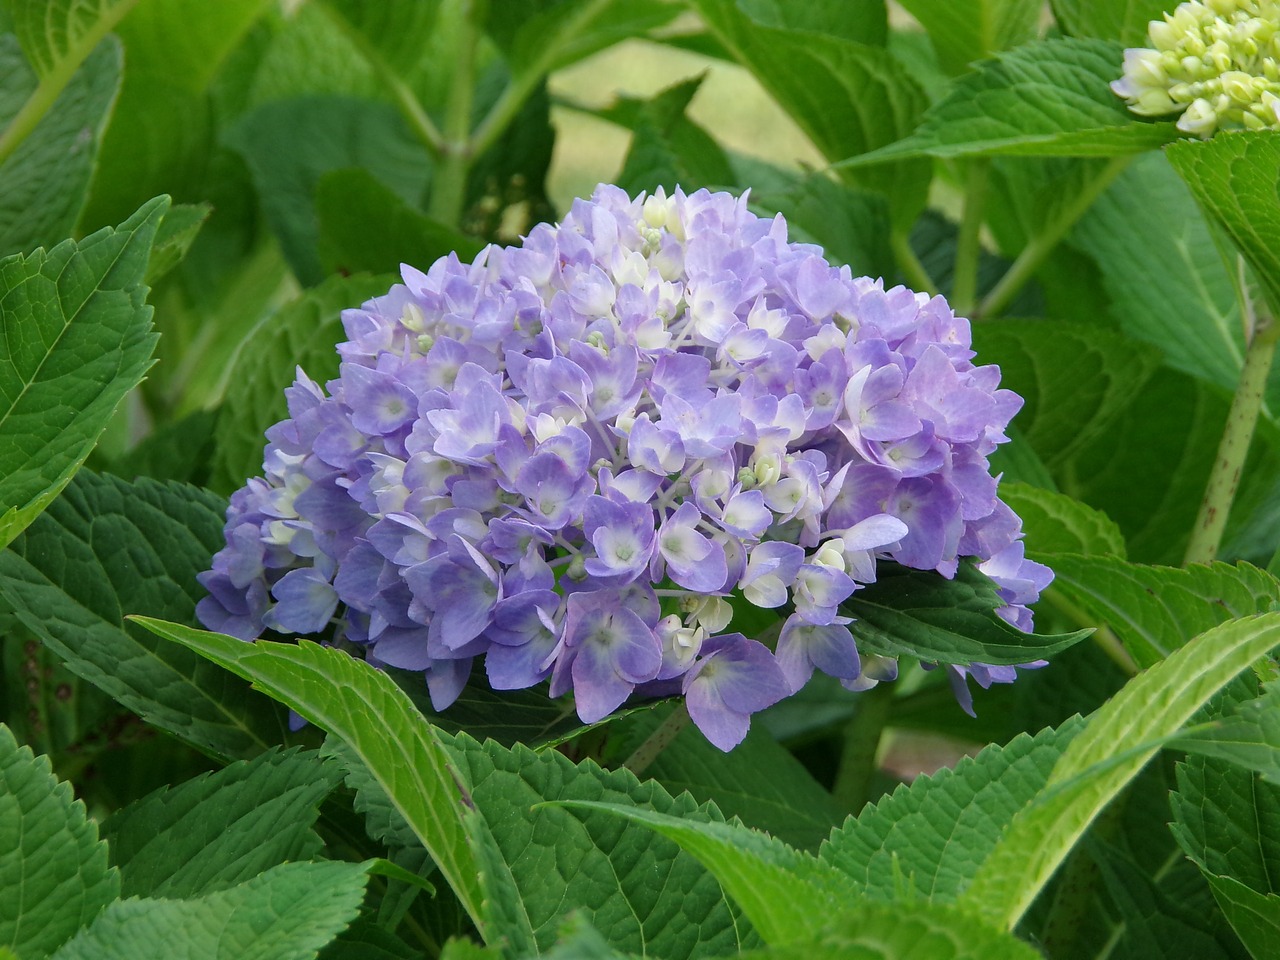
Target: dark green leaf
[53, 867]
[1122, 20]
[921, 614]
[76, 338]
[177, 232]
[107, 548]
[223, 828]
[963, 31]
[669, 150]
[1254, 917]
[1043, 99]
[47, 176]
[56, 35]
[396, 32]
[1054, 523]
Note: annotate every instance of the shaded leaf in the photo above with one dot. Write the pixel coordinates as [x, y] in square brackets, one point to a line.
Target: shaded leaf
[1122, 20]
[668, 149]
[1055, 523]
[963, 31]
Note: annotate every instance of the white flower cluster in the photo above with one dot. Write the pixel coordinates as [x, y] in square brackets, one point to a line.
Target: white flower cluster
[1216, 62]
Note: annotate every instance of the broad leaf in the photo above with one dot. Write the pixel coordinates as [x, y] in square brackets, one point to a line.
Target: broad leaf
[1235, 178]
[963, 31]
[107, 548]
[921, 614]
[1115, 745]
[340, 694]
[287, 913]
[396, 33]
[223, 828]
[47, 176]
[1122, 20]
[53, 867]
[668, 149]
[1048, 99]
[1055, 523]
[290, 144]
[786, 894]
[57, 35]
[1075, 380]
[866, 21]
[931, 837]
[1254, 917]
[177, 232]
[301, 334]
[1155, 610]
[1247, 736]
[76, 338]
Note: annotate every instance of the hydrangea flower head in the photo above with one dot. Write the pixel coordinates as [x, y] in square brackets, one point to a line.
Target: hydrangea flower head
[569, 459]
[1216, 62]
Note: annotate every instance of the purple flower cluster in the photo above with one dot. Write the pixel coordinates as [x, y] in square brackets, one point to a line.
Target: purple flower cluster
[567, 457]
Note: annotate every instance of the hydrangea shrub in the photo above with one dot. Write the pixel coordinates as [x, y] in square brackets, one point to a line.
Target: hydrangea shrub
[567, 458]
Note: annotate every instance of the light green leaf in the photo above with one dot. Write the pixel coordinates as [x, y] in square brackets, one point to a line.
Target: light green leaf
[47, 176]
[1055, 523]
[221, 829]
[924, 615]
[287, 913]
[290, 144]
[1235, 178]
[107, 548]
[1048, 99]
[868, 99]
[76, 337]
[1074, 379]
[786, 894]
[930, 837]
[366, 227]
[758, 781]
[1163, 272]
[302, 334]
[904, 931]
[652, 898]
[1255, 917]
[963, 31]
[1153, 610]
[1101, 760]
[1122, 20]
[57, 35]
[53, 867]
[340, 694]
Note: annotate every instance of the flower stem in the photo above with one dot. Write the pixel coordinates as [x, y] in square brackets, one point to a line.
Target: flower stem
[913, 270]
[964, 282]
[449, 182]
[1246, 405]
[1043, 243]
[659, 740]
[862, 738]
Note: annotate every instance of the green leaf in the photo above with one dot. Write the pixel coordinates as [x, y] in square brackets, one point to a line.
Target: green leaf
[921, 614]
[107, 548]
[538, 36]
[1102, 759]
[47, 176]
[851, 225]
[1163, 272]
[865, 22]
[177, 232]
[286, 913]
[367, 227]
[76, 338]
[1048, 99]
[221, 829]
[180, 450]
[904, 931]
[290, 144]
[1055, 523]
[868, 100]
[340, 694]
[53, 867]
[1074, 379]
[963, 31]
[302, 334]
[1154, 610]
[57, 35]
[786, 894]
[1248, 736]
[1254, 917]
[930, 837]
[668, 149]
[1122, 20]
[1234, 178]
[652, 898]
[757, 781]
[396, 32]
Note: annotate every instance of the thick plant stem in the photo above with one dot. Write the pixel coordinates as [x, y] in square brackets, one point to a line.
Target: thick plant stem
[861, 745]
[1224, 479]
[659, 740]
[1044, 242]
[449, 183]
[55, 81]
[912, 269]
[964, 283]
